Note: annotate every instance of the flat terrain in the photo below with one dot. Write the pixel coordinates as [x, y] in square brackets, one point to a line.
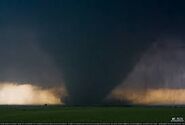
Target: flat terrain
[89, 114]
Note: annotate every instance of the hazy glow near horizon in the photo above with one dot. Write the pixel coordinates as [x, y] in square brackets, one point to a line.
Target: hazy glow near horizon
[24, 94]
[162, 96]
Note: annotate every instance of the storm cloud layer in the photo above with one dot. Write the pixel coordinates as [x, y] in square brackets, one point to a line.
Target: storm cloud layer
[22, 59]
[87, 47]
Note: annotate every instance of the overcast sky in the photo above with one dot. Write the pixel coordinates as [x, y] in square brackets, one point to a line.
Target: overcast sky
[88, 45]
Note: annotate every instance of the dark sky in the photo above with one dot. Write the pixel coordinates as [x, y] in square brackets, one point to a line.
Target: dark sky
[91, 45]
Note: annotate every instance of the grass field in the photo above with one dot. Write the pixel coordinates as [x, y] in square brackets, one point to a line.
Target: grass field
[89, 114]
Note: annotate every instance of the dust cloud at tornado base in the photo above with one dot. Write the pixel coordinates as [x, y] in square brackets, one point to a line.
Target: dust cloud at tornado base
[158, 78]
[29, 75]
[28, 94]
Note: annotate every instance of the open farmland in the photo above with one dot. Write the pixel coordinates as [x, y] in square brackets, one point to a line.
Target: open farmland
[89, 114]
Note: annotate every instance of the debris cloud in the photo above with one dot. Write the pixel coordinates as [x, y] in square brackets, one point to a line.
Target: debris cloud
[28, 94]
[152, 96]
[158, 77]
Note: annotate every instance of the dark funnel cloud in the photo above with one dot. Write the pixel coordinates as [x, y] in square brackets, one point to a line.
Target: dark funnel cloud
[90, 45]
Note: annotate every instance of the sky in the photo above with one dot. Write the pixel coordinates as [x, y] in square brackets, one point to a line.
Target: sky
[89, 47]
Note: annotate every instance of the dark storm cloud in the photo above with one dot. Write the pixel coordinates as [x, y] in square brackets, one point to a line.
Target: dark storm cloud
[94, 44]
[24, 61]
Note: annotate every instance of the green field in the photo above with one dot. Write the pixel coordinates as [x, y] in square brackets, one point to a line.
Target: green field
[89, 114]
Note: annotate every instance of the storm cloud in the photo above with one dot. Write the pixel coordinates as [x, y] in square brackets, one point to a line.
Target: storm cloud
[85, 47]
